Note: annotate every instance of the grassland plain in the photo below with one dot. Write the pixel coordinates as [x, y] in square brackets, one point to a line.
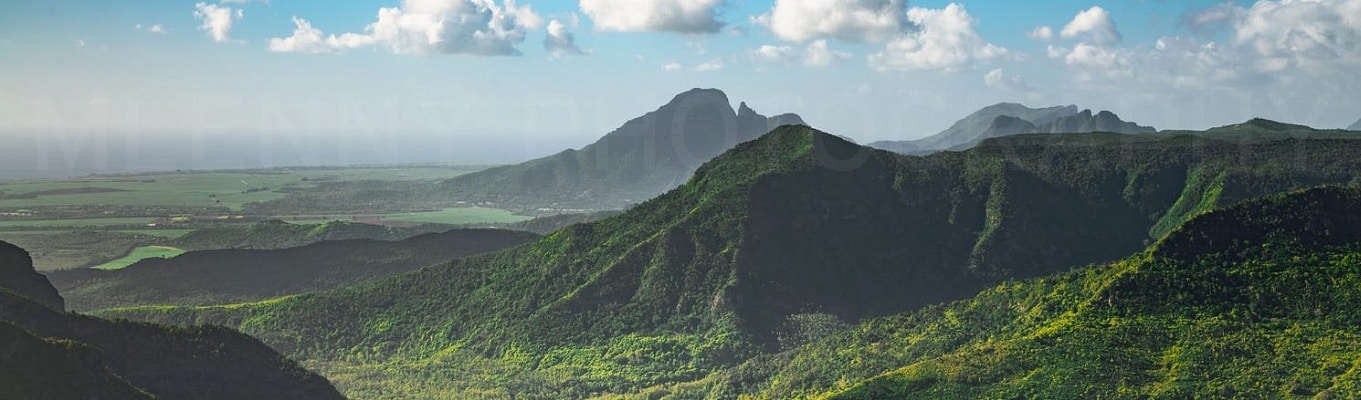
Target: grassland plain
[773, 245]
[131, 211]
[230, 189]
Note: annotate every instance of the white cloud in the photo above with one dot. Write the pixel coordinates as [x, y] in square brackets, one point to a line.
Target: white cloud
[559, 41]
[848, 20]
[1042, 32]
[945, 40]
[217, 20]
[1310, 34]
[710, 66]
[479, 27]
[819, 55]
[80, 43]
[1091, 56]
[999, 79]
[153, 28]
[672, 67]
[1213, 17]
[816, 54]
[305, 39]
[1094, 24]
[243, 1]
[681, 16]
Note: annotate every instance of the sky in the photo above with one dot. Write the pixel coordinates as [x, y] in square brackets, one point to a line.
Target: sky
[504, 80]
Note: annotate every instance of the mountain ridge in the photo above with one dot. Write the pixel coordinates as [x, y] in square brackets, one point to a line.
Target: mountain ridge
[642, 158]
[1002, 119]
[1145, 326]
[797, 223]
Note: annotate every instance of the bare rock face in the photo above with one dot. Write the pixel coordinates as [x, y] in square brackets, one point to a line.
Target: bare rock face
[17, 275]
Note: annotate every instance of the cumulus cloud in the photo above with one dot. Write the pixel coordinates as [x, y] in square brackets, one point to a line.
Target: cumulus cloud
[1043, 32]
[681, 16]
[478, 27]
[153, 28]
[999, 79]
[217, 20]
[709, 66]
[848, 20]
[672, 67]
[945, 39]
[815, 54]
[1212, 18]
[1310, 34]
[559, 41]
[1094, 24]
[305, 39]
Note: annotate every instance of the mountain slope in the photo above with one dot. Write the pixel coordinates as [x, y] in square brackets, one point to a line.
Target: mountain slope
[1249, 302]
[794, 229]
[26, 281]
[641, 159]
[72, 356]
[1006, 119]
[235, 276]
[1356, 126]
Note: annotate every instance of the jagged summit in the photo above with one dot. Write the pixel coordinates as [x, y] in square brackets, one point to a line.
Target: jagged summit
[642, 158]
[1005, 119]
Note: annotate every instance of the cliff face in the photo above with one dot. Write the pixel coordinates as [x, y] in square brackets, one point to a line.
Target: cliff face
[17, 274]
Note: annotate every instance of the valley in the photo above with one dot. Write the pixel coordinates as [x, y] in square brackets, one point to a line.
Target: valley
[680, 200]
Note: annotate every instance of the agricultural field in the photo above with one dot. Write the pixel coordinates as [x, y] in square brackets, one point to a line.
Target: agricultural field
[126, 217]
[139, 254]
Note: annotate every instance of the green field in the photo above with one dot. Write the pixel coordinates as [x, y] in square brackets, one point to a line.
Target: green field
[458, 216]
[19, 225]
[449, 216]
[139, 254]
[198, 189]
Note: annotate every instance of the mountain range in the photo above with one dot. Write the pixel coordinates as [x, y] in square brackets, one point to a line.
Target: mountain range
[1356, 126]
[776, 245]
[47, 353]
[645, 157]
[1006, 119]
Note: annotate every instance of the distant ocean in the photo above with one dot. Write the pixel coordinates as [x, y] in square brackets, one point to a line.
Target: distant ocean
[36, 156]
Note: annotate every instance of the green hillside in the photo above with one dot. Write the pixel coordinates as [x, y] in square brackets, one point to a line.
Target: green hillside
[769, 246]
[241, 275]
[51, 354]
[1255, 301]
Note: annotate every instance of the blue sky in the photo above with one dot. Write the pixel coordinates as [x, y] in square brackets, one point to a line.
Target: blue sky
[155, 68]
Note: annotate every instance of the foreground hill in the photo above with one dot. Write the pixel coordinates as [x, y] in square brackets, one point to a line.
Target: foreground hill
[641, 159]
[1254, 301]
[796, 233]
[49, 354]
[234, 276]
[1006, 119]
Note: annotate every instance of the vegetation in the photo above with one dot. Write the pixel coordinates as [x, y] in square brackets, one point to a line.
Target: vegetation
[276, 234]
[778, 242]
[1249, 302]
[233, 276]
[139, 254]
[53, 354]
